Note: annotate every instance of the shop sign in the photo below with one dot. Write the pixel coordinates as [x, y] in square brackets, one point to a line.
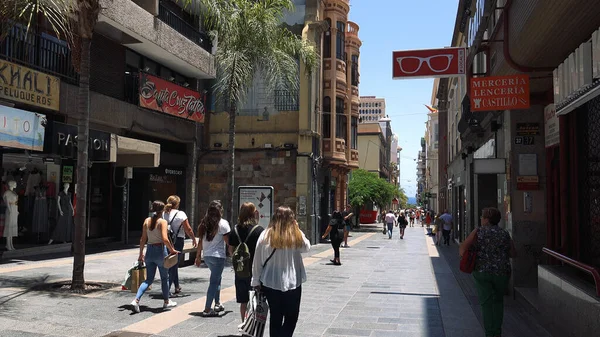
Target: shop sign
[524, 140]
[22, 129]
[574, 78]
[67, 174]
[551, 126]
[528, 129]
[596, 53]
[500, 93]
[528, 183]
[262, 197]
[164, 96]
[25, 85]
[429, 63]
[64, 142]
[487, 150]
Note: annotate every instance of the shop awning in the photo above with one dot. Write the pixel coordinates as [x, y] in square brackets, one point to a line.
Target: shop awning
[130, 152]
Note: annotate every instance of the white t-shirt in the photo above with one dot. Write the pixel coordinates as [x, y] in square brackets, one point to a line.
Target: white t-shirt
[177, 221]
[216, 247]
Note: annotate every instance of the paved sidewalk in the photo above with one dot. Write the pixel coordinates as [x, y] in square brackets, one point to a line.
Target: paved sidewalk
[385, 287]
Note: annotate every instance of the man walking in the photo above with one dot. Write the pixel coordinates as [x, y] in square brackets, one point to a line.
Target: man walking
[347, 215]
[390, 219]
[447, 226]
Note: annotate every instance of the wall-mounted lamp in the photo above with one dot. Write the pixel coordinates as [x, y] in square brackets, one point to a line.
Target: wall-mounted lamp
[171, 78]
[252, 141]
[186, 84]
[146, 69]
[217, 145]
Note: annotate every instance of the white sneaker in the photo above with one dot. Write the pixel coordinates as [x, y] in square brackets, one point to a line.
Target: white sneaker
[136, 306]
[169, 304]
[219, 308]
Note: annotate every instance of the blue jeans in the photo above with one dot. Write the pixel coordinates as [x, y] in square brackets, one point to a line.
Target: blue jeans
[174, 271]
[216, 266]
[390, 229]
[154, 259]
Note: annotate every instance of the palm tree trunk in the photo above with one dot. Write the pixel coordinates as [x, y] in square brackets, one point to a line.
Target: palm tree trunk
[83, 107]
[231, 176]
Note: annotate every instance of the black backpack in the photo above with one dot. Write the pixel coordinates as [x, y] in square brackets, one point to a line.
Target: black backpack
[241, 258]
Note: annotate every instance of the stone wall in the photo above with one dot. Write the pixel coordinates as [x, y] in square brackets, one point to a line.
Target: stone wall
[262, 167]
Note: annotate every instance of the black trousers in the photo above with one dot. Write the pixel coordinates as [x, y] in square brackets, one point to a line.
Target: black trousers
[446, 234]
[335, 243]
[284, 307]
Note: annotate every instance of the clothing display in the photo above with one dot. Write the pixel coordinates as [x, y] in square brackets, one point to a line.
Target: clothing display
[11, 228]
[64, 228]
[40, 212]
[33, 181]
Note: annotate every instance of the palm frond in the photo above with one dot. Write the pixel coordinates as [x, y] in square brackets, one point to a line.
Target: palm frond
[25, 12]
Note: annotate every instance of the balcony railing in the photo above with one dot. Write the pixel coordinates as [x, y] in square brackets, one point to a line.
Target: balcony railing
[41, 52]
[286, 100]
[184, 28]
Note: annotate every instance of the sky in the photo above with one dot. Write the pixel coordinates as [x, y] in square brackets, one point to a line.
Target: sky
[389, 25]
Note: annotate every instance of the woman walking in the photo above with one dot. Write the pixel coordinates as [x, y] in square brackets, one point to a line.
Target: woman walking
[402, 223]
[335, 228]
[246, 231]
[180, 226]
[214, 234]
[154, 236]
[494, 249]
[279, 272]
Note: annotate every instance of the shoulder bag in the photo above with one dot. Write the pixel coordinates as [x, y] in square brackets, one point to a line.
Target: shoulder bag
[467, 261]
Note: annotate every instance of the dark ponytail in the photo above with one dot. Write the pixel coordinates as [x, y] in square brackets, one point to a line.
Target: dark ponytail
[158, 208]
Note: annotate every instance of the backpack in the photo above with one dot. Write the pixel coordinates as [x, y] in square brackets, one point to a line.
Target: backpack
[171, 233]
[241, 259]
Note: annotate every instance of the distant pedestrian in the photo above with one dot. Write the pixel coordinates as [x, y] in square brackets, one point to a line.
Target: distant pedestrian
[418, 217]
[278, 270]
[179, 226]
[438, 224]
[447, 226]
[214, 235]
[336, 233]
[494, 248]
[428, 219]
[402, 223]
[347, 215]
[242, 246]
[412, 218]
[390, 219]
[156, 240]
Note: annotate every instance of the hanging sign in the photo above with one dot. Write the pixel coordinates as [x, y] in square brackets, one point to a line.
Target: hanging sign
[429, 63]
[164, 96]
[22, 129]
[500, 93]
[25, 85]
[551, 126]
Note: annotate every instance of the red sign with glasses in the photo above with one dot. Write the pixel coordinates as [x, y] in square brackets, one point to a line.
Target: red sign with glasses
[428, 63]
[164, 96]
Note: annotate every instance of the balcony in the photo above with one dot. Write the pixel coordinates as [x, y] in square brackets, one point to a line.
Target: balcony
[336, 155]
[41, 52]
[287, 100]
[165, 38]
[183, 27]
[353, 162]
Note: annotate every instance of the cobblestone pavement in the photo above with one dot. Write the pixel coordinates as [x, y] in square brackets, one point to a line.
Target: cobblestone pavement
[384, 288]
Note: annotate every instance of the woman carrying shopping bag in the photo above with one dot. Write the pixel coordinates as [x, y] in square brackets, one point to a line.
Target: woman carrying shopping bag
[214, 235]
[279, 272]
[155, 237]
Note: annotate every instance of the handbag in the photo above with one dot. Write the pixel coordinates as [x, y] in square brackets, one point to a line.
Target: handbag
[258, 309]
[467, 261]
[172, 235]
[170, 260]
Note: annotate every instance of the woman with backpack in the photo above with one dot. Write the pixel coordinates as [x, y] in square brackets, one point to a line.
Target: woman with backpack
[178, 227]
[214, 235]
[242, 245]
[278, 270]
[336, 228]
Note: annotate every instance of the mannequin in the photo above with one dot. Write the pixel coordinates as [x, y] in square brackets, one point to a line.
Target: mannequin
[64, 228]
[11, 228]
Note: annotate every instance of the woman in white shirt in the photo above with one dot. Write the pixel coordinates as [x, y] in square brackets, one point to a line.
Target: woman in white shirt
[214, 235]
[179, 224]
[279, 272]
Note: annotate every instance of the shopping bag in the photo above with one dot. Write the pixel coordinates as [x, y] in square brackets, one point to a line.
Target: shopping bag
[126, 285]
[138, 275]
[256, 316]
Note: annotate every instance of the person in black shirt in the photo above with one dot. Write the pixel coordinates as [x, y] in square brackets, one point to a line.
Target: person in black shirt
[247, 224]
[347, 215]
[336, 228]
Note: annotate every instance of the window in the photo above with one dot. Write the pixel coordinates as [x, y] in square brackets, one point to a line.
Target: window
[354, 133]
[341, 126]
[327, 41]
[326, 117]
[354, 71]
[340, 41]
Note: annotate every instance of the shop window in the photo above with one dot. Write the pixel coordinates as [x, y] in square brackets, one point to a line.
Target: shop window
[354, 135]
[327, 41]
[340, 41]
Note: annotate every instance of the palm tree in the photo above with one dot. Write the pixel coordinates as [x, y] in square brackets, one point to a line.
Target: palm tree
[252, 42]
[74, 19]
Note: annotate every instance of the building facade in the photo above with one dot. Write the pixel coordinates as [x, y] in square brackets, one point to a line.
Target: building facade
[142, 148]
[537, 165]
[432, 137]
[372, 146]
[372, 109]
[312, 132]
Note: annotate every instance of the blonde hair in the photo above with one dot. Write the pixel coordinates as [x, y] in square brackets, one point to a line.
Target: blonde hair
[172, 203]
[246, 216]
[283, 230]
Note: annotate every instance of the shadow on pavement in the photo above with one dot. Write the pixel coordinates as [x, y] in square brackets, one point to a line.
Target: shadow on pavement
[143, 308]
[220, 315]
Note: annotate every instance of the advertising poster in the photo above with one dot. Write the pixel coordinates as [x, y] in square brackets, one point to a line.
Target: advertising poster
[167, 97]
[262, 198]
